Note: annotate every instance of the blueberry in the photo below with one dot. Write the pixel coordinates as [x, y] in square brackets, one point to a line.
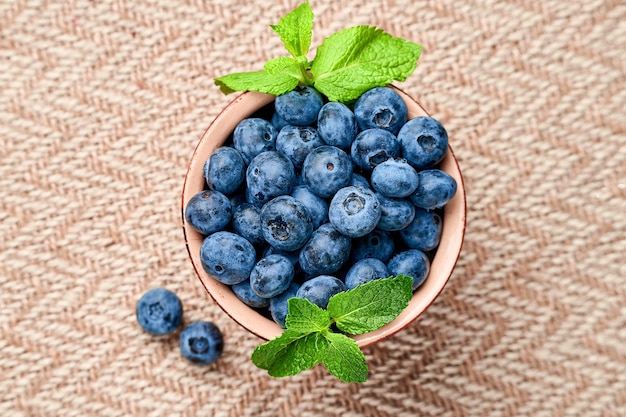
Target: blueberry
[253, 136]
[225, 170]
[269, 175]
[317, 206]
[423, 232]
[271, 276]
[201, 342]
[372, 147]
[394, 178]
[377, 244]
[208, 211]
[319, 289]
[337, 125]
[354, 211]
[228, 257]
[244, 292]
[325, 252]
[159, 311]
[279, 305]
[291, 255]
[381, 108]
[435, 189]
[424, 142]
[359, 180]
[365, 270]
[295, 142]
[247, 222]
[300, 106]
[395, 213]
[327, 169]
[413, 263]
[286, 223]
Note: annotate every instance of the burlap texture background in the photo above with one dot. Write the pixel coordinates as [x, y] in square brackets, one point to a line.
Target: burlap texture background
[101, 105]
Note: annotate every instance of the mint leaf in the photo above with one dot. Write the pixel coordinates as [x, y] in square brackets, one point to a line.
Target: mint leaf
[295, 30]
[260, 81]
[290, 353]
[371, 305]
[304, 316]
[277, 65]
[343, 358]
[359, 58]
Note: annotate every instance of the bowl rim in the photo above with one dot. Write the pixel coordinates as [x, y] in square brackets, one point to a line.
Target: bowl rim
[221, 293]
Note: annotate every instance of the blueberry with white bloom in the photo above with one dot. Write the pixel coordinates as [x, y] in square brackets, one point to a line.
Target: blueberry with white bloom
[354, 211]
[225, 170]
[159, 311]
[201, 342]
[244, 292]
[377, 244]
[395, 213]
[320, 289]
[327, 169]
[253, 136]
[228, 257]
[381, 108]
[424, 232]
[364, 271]
[286, 223]
[270, 174]
[394, 178]
[317, 206]
[247, 222]
[295, 142]
[424, 142]
[271, 276]
[326, 251]
[208, 211]
[372, 147]
[435, 189]
[279, 305]
[337, 125]
[300, 106]
[413, 263]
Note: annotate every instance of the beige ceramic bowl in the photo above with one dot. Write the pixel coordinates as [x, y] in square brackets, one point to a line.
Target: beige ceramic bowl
[441, 268]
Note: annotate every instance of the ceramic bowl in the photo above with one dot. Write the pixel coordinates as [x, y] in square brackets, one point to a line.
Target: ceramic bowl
[444, 261]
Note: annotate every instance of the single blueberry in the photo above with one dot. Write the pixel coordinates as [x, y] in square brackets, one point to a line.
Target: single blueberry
[378, 244]
[253, 136]
[271, 276]
[279, 305]
[424, 142]
[413, 263]
[208, 211]
[201, 342]
[372, 147]
[319, 289]
[300, 106]
[354, 211]
[227, 257]
[326, 251]
[326, 169]
[364, 271]
[295, 142]
[247, 222]
[435, 189]
[424, 231]
[317, 206]
[225, 170]
[244, 292]
[395, 213]
[159, 311]
[337, 125]
[269, 175]
[381, 108]
[394, 178]
[286, 223]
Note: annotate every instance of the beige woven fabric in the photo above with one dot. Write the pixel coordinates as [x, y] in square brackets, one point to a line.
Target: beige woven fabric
[101, 105]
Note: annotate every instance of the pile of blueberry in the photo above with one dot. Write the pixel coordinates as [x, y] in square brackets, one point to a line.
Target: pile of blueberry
[313, 198]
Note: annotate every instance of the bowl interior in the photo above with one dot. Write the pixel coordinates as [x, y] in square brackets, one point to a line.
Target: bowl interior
[441, 267]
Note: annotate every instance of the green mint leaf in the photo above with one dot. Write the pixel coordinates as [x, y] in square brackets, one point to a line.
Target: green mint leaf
[304, 316]
[343, 358]
[371, 305]
[295, 30]
[359, 58]
[260, 81]
[290, 353]
[277, 65]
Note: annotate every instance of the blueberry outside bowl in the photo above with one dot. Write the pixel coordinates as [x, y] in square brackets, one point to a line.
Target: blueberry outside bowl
[442, 265]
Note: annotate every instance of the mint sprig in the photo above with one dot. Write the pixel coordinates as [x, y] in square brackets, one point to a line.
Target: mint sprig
[309, 338]
[346, 64]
